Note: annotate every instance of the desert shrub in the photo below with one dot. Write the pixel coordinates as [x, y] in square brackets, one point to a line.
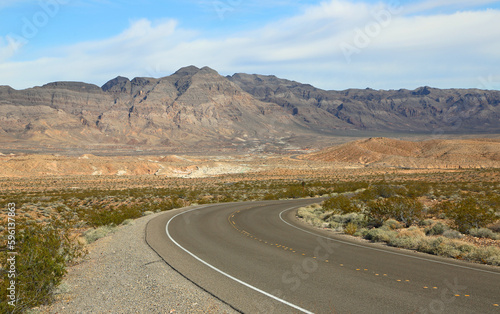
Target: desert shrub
[355, 218]
[380, 235]
[378, 211]
[484, 233]
[43, 253]
[405, 210]
[452, 234]
[127, 222]
[295, 191]
[468, 213]
[361, 232]
[406, 241]
[436, 229]
[337, 226]
[102, 216]
[392, 224]
[367, 195]
[311, 214]
[425, 222]
[493, 201]
[351, 228]
[93, 235]
[386, 190]
[270, 197]
[417, 188]
[495, 227]
[487, 255]
[340, 204]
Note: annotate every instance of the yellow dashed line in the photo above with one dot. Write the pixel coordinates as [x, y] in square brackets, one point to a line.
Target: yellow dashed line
[426, 287]
[376, 274]
[434, 287]
[457, 295]
[495, 304]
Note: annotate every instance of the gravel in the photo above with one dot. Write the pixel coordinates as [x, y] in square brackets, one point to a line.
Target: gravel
[121, 274]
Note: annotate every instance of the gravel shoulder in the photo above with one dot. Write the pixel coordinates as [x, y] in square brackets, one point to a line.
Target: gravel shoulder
[121, 274]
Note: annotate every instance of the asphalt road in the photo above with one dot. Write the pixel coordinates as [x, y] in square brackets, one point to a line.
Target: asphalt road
[259, 258]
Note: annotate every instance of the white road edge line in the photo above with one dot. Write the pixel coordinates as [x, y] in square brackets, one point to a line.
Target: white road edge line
[227, 275]
[380, 250]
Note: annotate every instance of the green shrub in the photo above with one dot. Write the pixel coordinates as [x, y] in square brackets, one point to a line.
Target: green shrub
[386, 190]
[358, 219]
[436, 229]
[43, 252]
[351, 228]
[380, 235]
[102, 216]
[295, 191]
[468, 213]
[484, 233]
[392, 224]
[367, 195]
[452, 234]
[426, 222]
[343, 187]
[417, 188]
[407, 242]
[340, 204]
[405, 210]
[361, 232]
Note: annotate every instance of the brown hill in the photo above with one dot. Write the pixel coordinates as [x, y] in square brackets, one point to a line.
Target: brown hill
[473, 153]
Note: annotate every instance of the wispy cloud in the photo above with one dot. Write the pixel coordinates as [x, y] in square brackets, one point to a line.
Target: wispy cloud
[428, 5]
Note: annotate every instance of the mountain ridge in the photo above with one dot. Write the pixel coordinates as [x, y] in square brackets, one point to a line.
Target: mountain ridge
[197, 108]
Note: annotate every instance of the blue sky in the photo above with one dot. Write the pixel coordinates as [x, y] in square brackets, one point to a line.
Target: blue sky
[332, 44]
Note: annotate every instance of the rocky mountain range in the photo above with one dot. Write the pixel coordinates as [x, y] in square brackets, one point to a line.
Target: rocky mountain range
[197, 110]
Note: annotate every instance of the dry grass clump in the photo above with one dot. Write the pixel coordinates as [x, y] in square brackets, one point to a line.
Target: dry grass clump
[93, 235]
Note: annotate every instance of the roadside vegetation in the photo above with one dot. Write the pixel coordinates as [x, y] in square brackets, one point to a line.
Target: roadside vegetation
[430, 213]
[453, 219]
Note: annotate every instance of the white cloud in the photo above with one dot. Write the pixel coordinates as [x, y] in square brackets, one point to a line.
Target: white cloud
[446, 50]
[455, 4]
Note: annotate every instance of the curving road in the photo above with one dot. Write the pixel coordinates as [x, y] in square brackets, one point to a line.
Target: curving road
[259, 258]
